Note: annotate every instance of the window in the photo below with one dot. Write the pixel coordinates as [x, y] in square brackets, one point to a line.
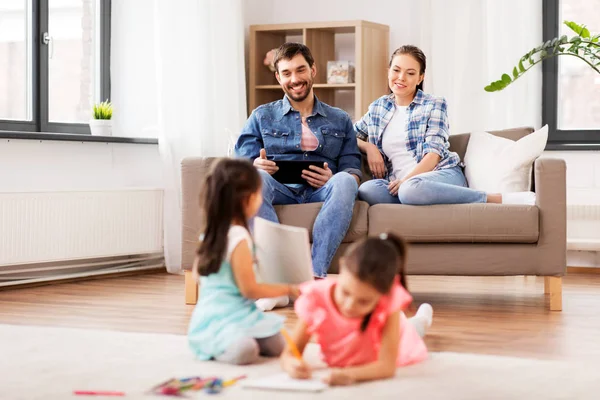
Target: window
[54, 63]
[571, 89]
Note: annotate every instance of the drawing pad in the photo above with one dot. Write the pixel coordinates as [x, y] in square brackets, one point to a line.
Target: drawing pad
[283, 253]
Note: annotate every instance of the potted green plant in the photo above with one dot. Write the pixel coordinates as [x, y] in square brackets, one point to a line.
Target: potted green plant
[584, 46]
[101, 123]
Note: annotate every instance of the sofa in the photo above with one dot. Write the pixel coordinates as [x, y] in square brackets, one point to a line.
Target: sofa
[458, 239]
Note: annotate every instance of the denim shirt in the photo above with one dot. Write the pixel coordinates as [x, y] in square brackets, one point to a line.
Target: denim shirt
[277, 128]
[427, 128]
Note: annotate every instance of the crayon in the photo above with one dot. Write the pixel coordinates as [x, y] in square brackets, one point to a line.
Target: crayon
[234, 380]
[97, 393]
[291, 344]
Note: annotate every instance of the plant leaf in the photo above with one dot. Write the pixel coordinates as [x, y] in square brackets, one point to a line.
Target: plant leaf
[584, 46]
[575, 27]
[103, 110]
[585, 33]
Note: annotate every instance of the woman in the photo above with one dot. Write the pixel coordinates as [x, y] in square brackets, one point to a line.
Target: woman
[405, 137]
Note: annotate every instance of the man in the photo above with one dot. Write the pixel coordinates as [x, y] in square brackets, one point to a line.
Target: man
[300, 127]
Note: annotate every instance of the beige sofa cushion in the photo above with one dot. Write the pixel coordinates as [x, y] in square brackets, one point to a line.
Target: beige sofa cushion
[304, 215]
[457, 223]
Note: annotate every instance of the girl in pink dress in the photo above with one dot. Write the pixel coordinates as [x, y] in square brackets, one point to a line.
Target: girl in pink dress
[358, 319]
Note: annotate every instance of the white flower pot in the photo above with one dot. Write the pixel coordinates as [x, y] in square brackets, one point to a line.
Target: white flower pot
[101, 127]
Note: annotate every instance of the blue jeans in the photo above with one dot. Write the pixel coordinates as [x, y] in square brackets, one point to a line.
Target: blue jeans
[333, 221]
[445, 186]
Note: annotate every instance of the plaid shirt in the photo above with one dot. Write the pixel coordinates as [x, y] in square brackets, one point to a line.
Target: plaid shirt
[427, 125]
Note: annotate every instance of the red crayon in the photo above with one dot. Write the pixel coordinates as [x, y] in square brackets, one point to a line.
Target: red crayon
[97, 393]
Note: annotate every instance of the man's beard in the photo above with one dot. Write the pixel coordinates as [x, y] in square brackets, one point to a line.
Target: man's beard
[299, 96]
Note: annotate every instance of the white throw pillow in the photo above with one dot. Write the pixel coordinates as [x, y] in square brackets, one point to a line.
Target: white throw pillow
[498, 165]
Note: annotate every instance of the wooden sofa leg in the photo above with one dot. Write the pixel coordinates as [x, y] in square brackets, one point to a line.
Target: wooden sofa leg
[191, 289]
[546, 285]
[554, 287]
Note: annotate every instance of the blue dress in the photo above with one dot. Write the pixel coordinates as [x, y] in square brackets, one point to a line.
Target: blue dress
[222, 315]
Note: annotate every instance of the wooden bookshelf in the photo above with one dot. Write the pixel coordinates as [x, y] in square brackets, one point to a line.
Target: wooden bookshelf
[362, 42]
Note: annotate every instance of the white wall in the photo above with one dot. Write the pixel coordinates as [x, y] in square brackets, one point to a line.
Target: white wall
[583, 175]
[34, 165]
[583, 188]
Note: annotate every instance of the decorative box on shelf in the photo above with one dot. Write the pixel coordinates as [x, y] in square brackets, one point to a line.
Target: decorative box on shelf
[339, 72]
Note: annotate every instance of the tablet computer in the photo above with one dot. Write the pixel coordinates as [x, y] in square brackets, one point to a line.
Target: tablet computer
[291, 171]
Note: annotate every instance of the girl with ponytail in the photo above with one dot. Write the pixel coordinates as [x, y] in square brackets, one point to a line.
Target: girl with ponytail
[226, 324]
[358, 318]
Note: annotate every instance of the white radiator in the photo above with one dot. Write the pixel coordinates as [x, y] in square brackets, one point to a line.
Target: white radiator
[60, 226]
[583, 227]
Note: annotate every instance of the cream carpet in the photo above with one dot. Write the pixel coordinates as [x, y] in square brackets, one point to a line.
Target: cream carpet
[49, 363]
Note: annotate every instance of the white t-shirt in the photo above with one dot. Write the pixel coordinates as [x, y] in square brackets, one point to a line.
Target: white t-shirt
[394, 144]
[235, 235]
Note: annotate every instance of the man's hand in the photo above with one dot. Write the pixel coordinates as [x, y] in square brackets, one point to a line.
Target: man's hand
[394, 186]
[266, 165]
[375, 160]
[317, 177]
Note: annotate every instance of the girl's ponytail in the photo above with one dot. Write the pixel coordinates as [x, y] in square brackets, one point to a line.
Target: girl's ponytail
[401, 248]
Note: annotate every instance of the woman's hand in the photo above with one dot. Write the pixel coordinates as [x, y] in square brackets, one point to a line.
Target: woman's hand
[338, 377]
[296, 368]
[375, 160]
[394, 186]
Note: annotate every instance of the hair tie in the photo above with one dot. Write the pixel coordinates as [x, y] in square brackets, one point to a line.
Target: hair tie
[383, 236]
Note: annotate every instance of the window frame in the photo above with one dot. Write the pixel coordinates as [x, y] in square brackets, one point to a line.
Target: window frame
[559, 139]
[40, 64]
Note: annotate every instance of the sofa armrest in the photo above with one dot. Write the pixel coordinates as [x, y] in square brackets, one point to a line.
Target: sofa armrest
[550, 185]
[193, 171]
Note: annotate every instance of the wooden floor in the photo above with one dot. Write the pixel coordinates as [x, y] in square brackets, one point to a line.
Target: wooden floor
[504, 316]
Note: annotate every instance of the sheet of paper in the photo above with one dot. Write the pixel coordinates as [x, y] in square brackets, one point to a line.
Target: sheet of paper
[283, 253]
[282, 381]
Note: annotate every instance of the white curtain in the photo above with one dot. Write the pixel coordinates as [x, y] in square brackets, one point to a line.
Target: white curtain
[470, 43]
[184, 61]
